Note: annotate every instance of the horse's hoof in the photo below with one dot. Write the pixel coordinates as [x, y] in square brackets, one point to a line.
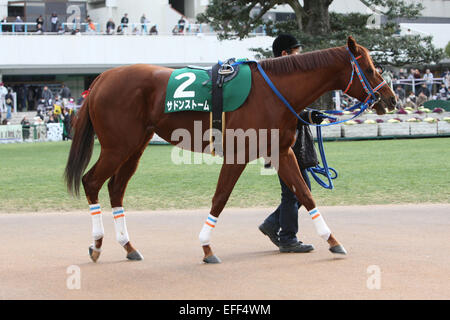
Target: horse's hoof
[339, 249]
[94, 253]
[212, 259]
[135, 256]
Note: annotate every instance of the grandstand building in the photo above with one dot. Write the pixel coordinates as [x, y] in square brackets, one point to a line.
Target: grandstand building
[29, 58]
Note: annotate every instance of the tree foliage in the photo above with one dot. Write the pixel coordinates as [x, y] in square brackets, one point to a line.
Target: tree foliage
[317, 28]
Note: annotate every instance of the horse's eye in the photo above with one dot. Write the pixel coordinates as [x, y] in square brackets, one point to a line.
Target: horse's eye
[370, 71]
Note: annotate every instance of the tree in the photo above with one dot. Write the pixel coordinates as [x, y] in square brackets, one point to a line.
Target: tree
[317, 28]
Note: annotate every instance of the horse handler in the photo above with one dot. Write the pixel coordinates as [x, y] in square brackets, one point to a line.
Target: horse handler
[282, 225]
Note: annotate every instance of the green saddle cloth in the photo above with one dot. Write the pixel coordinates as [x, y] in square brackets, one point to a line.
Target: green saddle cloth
[189, 89]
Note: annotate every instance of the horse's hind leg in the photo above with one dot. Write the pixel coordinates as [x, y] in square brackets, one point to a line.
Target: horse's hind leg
[229, 175]
[116, 187]
[93, 180]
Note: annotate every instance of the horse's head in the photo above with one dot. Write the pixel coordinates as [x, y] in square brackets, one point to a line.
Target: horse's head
[365, 81]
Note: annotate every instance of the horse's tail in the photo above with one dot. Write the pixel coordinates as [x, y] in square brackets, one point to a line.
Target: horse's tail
[81, 149]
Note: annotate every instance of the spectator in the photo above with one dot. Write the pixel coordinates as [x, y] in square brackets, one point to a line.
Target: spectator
[119, 30]
[421, 99]
[5, 28]
[153, 30]
[65, 94]
[54, 22]
[66, 124]
[25, 128]
[61, 30]
[9, 101]
[41, 108]
[39, 29]
[423, 89]
[144, 23]
[3, 93]
[136, 31]
[417, 78]
[428, 77]
[52, 119]
[443, 92]
[47, 95]
[124, 21]
[19, 26]
[401, 93]
[76, 32]
[40, 23]
[91, 26]
[412, 97]
[110, 26]
[181, 24]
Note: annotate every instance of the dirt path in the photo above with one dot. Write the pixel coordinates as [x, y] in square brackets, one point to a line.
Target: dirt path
[407, 244]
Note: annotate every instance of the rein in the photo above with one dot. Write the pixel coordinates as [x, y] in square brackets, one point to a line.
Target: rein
[363, 106]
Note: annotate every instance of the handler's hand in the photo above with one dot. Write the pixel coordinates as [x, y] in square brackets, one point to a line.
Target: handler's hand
[313, 116]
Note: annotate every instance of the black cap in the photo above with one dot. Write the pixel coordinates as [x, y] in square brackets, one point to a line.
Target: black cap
[284, 42]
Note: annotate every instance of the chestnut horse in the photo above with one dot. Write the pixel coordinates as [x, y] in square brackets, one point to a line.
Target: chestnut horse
[125, 108]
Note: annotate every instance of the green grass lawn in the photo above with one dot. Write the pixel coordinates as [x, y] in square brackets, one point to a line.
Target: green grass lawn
[370, 172]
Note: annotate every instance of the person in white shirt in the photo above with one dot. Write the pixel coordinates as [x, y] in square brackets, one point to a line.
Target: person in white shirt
[3, 93]
[428, 77]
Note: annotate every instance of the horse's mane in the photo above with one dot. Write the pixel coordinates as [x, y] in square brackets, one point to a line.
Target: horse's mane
[305, 61]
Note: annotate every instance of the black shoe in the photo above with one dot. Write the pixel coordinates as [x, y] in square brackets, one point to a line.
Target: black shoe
[272, 234]
[296, 247]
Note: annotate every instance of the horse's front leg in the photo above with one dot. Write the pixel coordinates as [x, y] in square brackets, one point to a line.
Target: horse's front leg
[229, 175]
[290, 174]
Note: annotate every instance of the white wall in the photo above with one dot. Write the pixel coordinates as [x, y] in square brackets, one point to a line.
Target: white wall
[52, 54]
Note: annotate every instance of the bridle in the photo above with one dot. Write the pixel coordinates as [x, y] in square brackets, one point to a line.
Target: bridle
[362, 78]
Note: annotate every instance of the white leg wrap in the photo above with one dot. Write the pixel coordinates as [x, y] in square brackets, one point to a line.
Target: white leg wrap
[97, 221]
[320, 224]
[120, 226]
[205, 233]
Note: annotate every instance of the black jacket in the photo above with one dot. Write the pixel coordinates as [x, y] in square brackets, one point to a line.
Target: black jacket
[304, 147]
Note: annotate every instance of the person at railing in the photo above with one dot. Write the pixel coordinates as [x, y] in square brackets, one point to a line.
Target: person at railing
[5, 27]
[443, 92]
[119, 30]
[39, 29]
[181, 25]
[3, 93]
[400, 93]
[124, 22]
[154, 30]
[9, 101]
[428, 77]
[19, 25]
[54, 22]
[47, 95]
[144, 22]
[110, 26]
[91, 26]
[65, 94]
[25, 128]
[425, 90]
[61, 30]
[422, 98]
[40, 23]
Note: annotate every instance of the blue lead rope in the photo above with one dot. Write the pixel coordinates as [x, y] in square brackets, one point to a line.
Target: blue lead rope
[325, 170]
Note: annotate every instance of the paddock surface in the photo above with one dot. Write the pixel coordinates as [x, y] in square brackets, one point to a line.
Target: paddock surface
[408, 244]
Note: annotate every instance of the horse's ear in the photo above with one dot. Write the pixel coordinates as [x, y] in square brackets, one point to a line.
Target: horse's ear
[351, 44]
